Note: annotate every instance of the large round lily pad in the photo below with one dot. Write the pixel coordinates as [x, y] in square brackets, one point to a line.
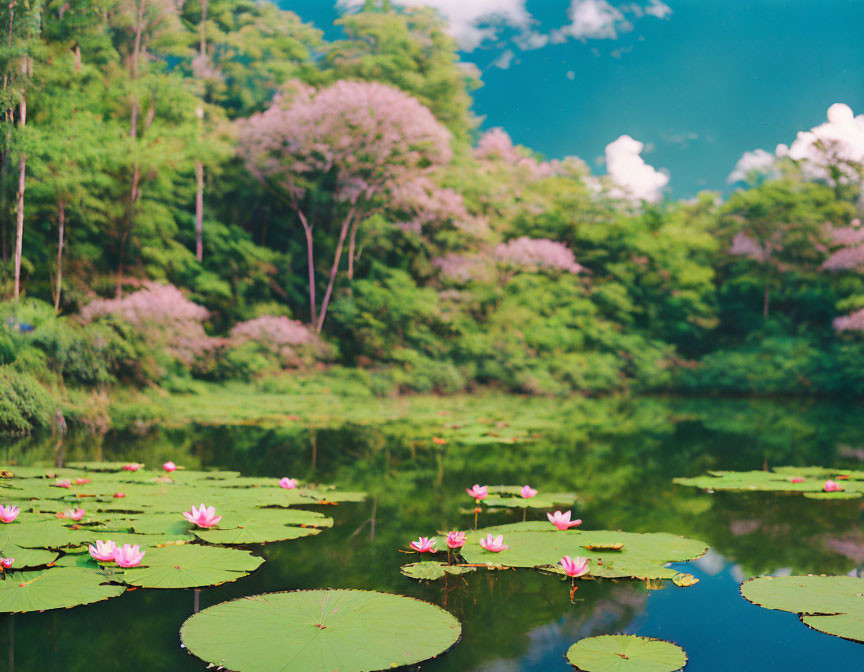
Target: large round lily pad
[626, 653]
[191, 566]
[56, 588]
[538, 544]
[320, 631]
[830, 604]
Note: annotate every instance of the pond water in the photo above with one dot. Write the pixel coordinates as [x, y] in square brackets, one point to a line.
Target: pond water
[619, 456]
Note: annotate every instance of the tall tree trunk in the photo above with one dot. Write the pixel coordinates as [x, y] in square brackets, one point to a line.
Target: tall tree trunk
[351, 247]
[199, 211]
[61, 226]
[19, 233]
[334, 269]
[310, 258]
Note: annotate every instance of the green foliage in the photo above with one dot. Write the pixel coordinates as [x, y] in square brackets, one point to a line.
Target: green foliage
[24, 404]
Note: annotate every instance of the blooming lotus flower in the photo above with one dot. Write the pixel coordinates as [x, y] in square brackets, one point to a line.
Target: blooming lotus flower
[132, 466]
[62, 483]
[288, 483]
[831, 486]
[494, 544]
[119, 495]
[528, 492]
[574, 567]
[202, 516]
[562, 520]
[128, 556]
[796, 479]
[478, 492]
[169, 467]
[424, 545]
[455, 539]
[9, 513]
[74, 514]
[6, 563]
[82, 481]
[103, 551]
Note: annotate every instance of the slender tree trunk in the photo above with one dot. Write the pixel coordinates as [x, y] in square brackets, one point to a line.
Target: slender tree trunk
[19, 233]
[310, 258]
[351, 247]
[61, 225]
[199, 211]
[334, 270]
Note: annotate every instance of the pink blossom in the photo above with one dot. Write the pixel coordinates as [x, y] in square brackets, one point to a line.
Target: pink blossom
[853, 322]
[6, 563]
[494, 544]
[132, 466]
[280, 335]
[9, 513]
[574, 567]
[562, 520]
[528, 492]
[128, 556]
[288, 483]
[745, 246]
[455, 539]
[538, 252]
[73, 514]
[478, 492]
[796, 479]
[203, 516]
[496, 145]
[119, 495]
[832, 486]
[62, 483]
[169, 467]
[82, 481]
[424, 545]
[103, 551]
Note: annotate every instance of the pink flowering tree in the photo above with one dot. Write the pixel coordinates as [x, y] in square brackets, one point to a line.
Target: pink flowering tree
[535, 253]
[353, 144]
[281, 336]
[847, 244]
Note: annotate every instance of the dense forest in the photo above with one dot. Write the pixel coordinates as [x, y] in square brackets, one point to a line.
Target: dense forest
[207, 190]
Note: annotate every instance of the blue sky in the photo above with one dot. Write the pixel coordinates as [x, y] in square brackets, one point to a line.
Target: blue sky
[699, 83]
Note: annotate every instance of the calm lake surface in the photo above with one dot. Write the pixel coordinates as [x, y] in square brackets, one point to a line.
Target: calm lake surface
[619, 456]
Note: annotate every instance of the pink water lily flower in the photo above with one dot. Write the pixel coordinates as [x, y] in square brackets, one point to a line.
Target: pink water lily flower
[132, 466]
[574, 567]
[796, 479]
[9, 513]
[128, 556]
[119, 495]
[478, 492]
[6, 563]
[74, 514]
[831, 486]
[455, 539]
[62, 483]
[424, 545]
[494, 544]
[203, 516]
[288, 483]
[103, 551]
[82, 481]
[528, 492]
[562, 520]
[169, 467]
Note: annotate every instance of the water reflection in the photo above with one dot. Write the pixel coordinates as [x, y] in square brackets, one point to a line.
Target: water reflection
[620, 456]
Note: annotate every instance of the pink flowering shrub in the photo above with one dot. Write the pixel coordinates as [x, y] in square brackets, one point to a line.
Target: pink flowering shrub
[163, 316]
[537, 252]
[496, 145]
[745, 246]
[850, 243]
[463, 267]
[853, 322]
[289, 340]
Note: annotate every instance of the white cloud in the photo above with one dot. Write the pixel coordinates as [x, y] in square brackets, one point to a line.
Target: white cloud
[633, 178]
[658, 9]
[837, 142]
[505, 60]
[472, 22]
[758, 161]
[594, 19]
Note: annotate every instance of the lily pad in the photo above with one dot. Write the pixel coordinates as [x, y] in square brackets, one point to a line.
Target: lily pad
[780, 480]
[432, 571]
[537, 544]
[831, 604]
[56, 588]
[320, 631]
[191, 566]
[626, 653]
[510, 496]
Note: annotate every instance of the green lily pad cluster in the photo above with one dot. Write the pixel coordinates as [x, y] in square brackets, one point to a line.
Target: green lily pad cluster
[509, 496]
[626, 653]
[807, 481]
[538, 545]
[320, 631]
[831, 604]
[52, 566]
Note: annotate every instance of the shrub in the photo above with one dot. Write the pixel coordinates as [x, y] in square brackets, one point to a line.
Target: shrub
[25, 405]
